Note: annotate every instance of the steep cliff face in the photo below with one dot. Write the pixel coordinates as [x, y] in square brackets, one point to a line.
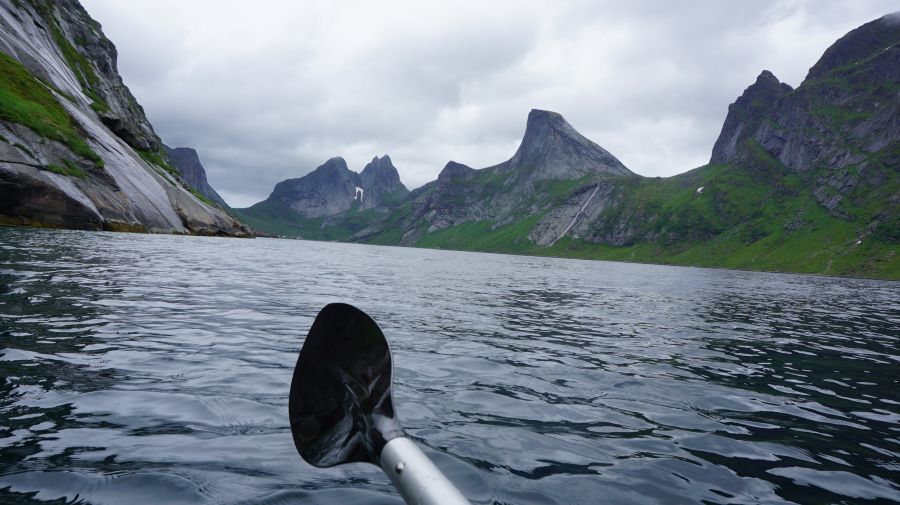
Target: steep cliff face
[836, 127]
[327, 190]
[552, 149]
[75, 147]
[380, 184]
[187, 161]
[746, 115]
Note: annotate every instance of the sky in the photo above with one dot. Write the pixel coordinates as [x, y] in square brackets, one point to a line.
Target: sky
[268, 90]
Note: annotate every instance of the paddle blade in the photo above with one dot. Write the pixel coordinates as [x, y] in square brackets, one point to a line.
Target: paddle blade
[341, 408]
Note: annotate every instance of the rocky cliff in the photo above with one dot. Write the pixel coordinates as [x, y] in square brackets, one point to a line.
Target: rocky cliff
[830, 129]
[329, 189]
[76, 149]
[187, 161]
[380, 185]
[551, 149]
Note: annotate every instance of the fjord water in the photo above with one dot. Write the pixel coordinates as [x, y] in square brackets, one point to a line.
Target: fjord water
[155, 369]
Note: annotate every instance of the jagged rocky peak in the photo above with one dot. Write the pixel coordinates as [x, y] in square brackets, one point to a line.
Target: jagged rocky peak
[334, 167]
[380, 172]
[859, 44]
[187, 161]
[453, 170]
[745, 114]
[333, 188]
[327, 190]
[380, 183]
[552, 149]
[758, 97]
[766, 87]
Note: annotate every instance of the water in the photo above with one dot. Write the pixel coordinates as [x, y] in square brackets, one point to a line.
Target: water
[155, 369]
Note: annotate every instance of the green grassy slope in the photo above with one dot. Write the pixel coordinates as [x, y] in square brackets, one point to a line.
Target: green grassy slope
[27, 101]
[757, 219]
[275, 219]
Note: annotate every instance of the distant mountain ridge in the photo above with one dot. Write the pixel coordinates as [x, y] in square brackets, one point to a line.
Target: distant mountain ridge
[801, 179]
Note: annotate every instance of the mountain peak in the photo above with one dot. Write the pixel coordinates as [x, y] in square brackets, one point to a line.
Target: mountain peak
[767, 87]
[859, 45]
[541, 122]
[745, 114]
[187, 161]
[383, 163]
[381, 182]
[536, 116]
[333, 163]
[453, 170]
[553, 149]
[767, 77]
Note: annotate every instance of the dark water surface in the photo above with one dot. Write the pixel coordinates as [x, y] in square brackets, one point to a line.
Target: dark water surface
[143, 369]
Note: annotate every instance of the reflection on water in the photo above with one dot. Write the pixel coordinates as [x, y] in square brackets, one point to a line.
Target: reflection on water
[155, 369]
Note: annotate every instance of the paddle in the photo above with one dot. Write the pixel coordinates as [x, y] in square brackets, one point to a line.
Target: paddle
[341, 407]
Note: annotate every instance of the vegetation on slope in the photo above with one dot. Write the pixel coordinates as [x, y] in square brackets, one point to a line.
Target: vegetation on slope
[159, 159]
[275, 219]
[27, 101]
[760, 218]
[80, 66]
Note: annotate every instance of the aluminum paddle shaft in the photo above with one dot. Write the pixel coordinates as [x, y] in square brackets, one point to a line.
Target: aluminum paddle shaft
[416, 477]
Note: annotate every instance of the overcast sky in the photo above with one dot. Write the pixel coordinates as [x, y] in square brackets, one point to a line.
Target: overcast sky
[268, 90]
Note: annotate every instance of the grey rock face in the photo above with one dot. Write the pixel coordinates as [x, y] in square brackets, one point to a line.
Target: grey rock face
[380, 183]
[859, 44]
[455, 171]
[552, 149]
[188, 164]
[327, 190]
[333, 189]
[127, 193]
[115, 105]
[846, 109]
[746, 114]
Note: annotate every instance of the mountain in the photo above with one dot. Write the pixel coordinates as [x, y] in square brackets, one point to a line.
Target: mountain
[187, 161]
[381, 184]
[331, 195]
[76, 149]
[802, 180]
[552, 160]
[552, 150]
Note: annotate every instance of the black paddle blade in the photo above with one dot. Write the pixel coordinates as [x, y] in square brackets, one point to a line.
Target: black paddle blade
[340, 407]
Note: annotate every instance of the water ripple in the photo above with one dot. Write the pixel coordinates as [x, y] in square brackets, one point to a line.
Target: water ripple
[155, 369]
